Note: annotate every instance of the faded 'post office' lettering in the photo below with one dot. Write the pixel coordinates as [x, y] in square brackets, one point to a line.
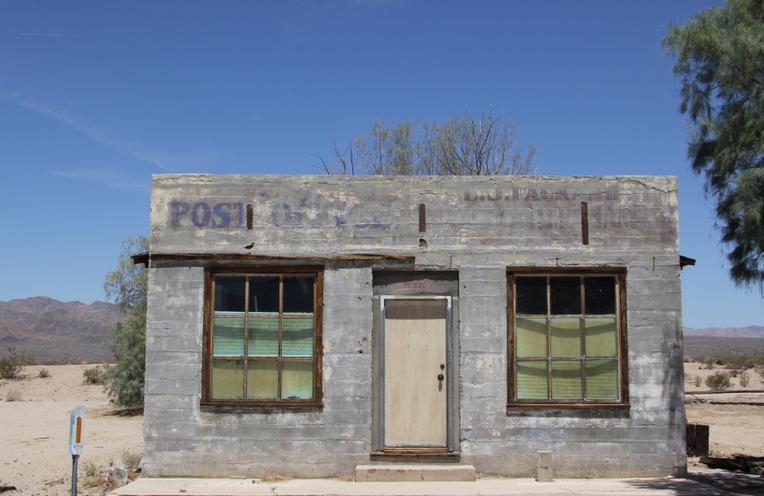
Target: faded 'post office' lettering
[201, 215]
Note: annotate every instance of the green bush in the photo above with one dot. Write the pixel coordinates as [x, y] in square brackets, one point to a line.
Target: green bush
[95, 375]
[718, 381]
[13, 363]
[127, 286]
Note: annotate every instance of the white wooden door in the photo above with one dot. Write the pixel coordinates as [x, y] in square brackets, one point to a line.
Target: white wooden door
[415, 372]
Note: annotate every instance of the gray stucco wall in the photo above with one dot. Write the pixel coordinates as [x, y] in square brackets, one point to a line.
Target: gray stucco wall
[478, 226]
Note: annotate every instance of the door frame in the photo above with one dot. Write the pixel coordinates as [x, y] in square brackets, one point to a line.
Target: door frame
[378, 371]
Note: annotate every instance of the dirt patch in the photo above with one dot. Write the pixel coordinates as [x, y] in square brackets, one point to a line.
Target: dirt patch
[35, 432]
[736, 426]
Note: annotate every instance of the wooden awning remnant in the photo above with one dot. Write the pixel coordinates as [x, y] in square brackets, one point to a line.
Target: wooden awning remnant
[685, 261]
[145, 257]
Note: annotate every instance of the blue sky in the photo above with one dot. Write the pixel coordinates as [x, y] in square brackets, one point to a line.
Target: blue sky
[97, 96]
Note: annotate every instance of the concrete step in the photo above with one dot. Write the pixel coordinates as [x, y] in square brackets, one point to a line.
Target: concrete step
[399, 472]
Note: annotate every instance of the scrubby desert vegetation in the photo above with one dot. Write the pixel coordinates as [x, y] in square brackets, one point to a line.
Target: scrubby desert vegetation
[34, 408]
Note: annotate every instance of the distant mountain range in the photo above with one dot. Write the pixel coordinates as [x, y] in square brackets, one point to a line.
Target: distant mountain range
[72, 332]
[726, 332]
[59, 332]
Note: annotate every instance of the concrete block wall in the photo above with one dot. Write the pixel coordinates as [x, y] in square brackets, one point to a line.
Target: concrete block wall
[182, 439]
[646, 439]
[478, 226]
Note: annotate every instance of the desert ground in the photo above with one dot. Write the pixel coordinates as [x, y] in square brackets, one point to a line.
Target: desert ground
[34, 434]
[733, 428]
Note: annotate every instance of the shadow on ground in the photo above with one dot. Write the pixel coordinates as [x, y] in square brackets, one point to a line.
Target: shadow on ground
[125, 412]
[721, 482]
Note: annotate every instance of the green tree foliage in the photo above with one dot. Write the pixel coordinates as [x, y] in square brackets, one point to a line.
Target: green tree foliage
[127, 286]
[462, 146]
[719, 59]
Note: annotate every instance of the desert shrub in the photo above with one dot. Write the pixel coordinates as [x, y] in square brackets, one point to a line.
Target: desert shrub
[13, 363]
[90, 469]
[13, 395]
[719, 381]
[743, 380]
[698, 381]
[92, 475]
[94, 375]
[760, 370]
[43, 373]
[131, 461]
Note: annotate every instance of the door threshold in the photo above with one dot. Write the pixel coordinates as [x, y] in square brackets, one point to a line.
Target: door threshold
[415, 450]
[413, 455]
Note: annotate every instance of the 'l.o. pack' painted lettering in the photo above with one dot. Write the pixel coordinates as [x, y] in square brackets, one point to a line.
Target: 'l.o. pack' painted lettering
[222, 215]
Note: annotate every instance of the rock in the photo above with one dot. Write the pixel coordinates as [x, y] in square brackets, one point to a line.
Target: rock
[117, 475]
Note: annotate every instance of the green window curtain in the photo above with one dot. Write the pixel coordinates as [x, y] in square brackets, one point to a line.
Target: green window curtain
[263, 334]
[566, 380]
[531, 380]
[280, 307]
[602, 379]
[600, 336]
[566, 337]
[297, 335]
[297, 379]
[228, 334]
[531, 337]
[227, 379]
[262, 379]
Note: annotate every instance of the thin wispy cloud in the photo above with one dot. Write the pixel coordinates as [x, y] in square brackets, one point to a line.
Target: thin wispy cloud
[161, 161]
[49, 35]
[123, 179]
[118, 179]
[57, 114]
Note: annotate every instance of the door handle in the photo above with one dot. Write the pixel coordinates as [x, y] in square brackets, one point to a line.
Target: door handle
[440, 377]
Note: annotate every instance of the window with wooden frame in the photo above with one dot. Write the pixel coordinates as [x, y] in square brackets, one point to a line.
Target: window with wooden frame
[567, 339]
[263, 337]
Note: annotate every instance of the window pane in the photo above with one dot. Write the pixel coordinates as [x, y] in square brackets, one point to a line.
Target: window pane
[600, 336]
[566, 380]
[565, 295]
[264, 294]
[297, 379]
[600, 295]
[531, 295]
[298, 294]
[566, 337]
[262, 380]
[227, 379]
[297, 337]
[263, 334]
[228, 336]
[602, 379]
[531, 337]
[229, 294]
[531, 380]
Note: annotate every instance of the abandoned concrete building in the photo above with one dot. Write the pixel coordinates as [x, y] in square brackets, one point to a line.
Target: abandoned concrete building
[305, 325]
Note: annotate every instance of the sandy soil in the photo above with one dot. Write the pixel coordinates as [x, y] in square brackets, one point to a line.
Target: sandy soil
[733, 428]
[34, 432]
[34, 427]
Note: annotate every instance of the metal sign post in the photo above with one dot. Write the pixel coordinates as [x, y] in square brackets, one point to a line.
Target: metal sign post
[76, 425]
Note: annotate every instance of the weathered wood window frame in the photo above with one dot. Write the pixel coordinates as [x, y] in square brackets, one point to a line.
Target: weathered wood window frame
[281, 273]
[619, 275]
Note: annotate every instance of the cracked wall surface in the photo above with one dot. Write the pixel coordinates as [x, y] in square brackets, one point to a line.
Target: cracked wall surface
[478, 226]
